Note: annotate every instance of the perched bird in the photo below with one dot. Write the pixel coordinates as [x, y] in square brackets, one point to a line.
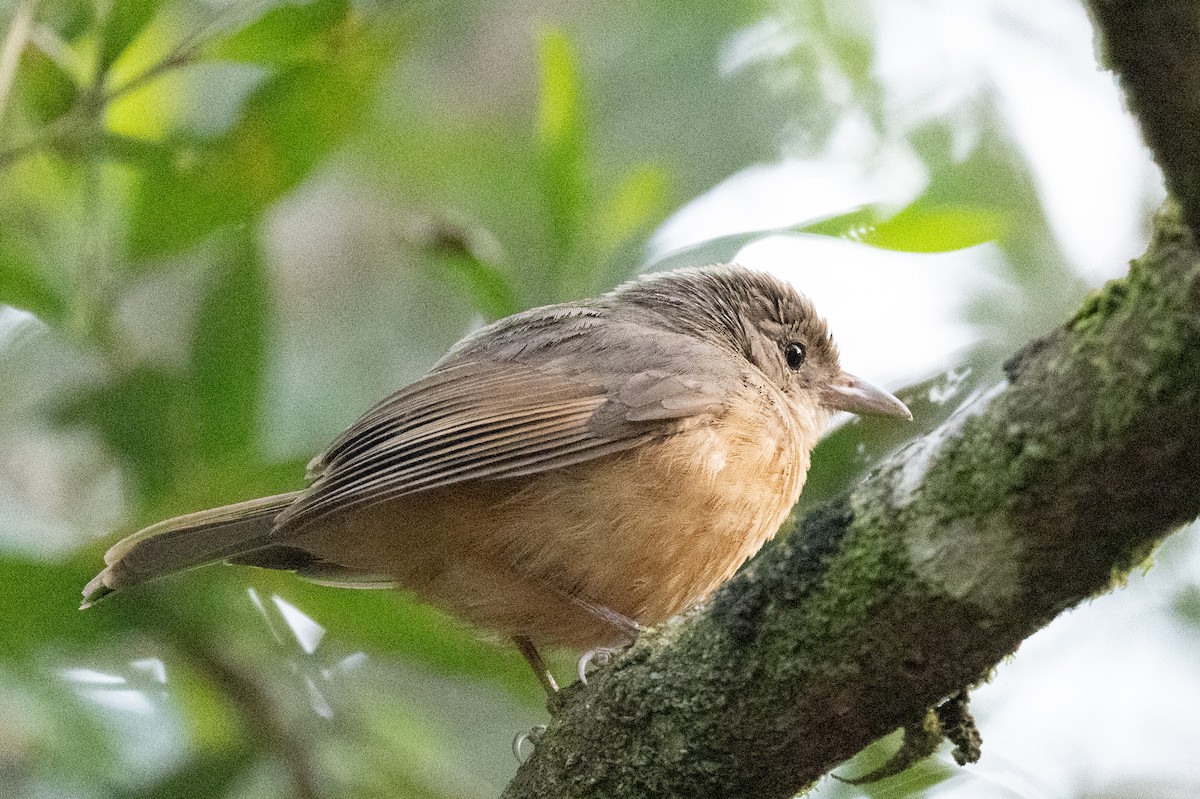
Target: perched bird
[563, 476]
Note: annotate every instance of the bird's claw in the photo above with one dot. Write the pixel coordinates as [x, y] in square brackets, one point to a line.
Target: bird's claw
[600, 656]
[529, 737]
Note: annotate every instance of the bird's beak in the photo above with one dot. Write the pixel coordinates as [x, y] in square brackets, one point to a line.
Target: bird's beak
[849, 393]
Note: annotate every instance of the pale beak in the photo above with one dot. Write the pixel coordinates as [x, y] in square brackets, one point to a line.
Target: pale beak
[849, 393]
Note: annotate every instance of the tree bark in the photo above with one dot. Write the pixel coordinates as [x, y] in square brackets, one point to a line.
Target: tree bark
[1041, 493]
[1154, 48]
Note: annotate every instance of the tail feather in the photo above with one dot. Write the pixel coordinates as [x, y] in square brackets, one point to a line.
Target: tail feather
[187, 541]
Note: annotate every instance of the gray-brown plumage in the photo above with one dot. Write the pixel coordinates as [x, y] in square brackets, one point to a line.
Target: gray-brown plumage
[563, 475]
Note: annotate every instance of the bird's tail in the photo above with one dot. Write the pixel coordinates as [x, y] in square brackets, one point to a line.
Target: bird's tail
[187, 541]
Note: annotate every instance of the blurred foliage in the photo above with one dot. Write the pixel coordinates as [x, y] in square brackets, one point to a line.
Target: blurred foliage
[227, 228]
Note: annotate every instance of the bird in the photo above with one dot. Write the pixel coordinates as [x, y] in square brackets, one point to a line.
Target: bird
[567, 476]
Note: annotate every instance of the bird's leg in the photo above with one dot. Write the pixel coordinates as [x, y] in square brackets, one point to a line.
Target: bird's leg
[534, 659]
[618, 621]
[629, 628]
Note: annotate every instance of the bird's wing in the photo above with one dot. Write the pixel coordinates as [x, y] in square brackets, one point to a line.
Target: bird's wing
[477, 420]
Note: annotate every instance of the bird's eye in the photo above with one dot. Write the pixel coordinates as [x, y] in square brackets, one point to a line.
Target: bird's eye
[794, 355]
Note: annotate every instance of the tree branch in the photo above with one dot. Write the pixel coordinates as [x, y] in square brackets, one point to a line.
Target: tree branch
[1154, 47]
[1040, 494]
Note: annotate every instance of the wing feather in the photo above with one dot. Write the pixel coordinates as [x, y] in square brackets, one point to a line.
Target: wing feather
[458, 392]
[464, 451]
[426, 448]
[482, 418]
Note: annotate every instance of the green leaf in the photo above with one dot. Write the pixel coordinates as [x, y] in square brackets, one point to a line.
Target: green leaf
[122, 24]
[229, 354]
[916, 228]
[68, 18]
[561, 159]
[639, 201]
[488, 288]
[186, 189]
[558, 111]
[294, 31]
[141, 415]
[191, 186]
[43, 597]
[919, 227]
[43, 86]
[23, 285]
[297, 119]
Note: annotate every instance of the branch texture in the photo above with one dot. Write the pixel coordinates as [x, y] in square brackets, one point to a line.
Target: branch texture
[1154, 47]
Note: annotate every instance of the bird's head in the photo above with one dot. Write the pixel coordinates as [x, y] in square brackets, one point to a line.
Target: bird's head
[772, 326]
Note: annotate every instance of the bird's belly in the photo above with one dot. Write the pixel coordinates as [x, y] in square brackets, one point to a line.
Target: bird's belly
[644, 533]
[655, 530]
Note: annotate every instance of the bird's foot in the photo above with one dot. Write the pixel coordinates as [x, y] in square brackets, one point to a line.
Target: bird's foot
[525, 742]
[594, 659]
